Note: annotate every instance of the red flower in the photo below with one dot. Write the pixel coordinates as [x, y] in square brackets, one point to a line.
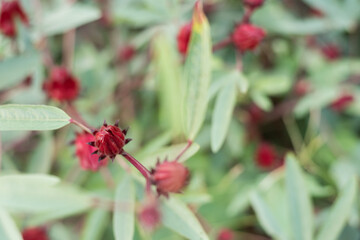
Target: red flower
[170, 177]
[109, 141]
[183, 38]
[88, 161]
[342, 102]
[126, 53]
[9, 11]
[331, 52]
[150, 216]
[247, 36]
[253, 3]
[225, 234]
[265, 155]
[35, 233]
[61, 85]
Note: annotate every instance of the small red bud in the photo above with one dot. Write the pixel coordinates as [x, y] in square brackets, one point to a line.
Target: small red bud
[149, 215]
[256, 114]
[10, 10]
[84, 150]
[331, 52]
[342, 102]
[110, 140]
[225, 234]
[302, 87]
[265, 156]
[170, 177]
[247, 36]
[126, 53]
[183, 38]
[35, 233]
[253, 3]
[61, 85]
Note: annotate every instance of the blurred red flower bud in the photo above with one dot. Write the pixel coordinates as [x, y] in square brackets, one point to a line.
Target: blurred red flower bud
[253, 3]
[35, 233]
[265, 155]
[247, 36]
[88, 161]
[331, 52]
[183, 38]
[225, 234]
[10, 10]
[256, 114]
[61, 85]
[109, 141]
[342, 102]
[170, 177]
[149, 215]
[126, 53]
[301, 87]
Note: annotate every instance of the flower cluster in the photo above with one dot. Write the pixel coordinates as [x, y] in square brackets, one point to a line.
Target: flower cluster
[10, 10]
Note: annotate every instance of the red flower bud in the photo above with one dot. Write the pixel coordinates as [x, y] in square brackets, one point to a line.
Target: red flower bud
[9, 11]
[331, 52]
[126, 53]
[88, 161]
[302, 87]
[253, 3]
[109, 141]
[265, 155]
[170, 177]
[149, 215]
[183, 38]
[61, 85]
[35, 233]
[256, 114]
[225, 234]
[342, 102]
[247, 36]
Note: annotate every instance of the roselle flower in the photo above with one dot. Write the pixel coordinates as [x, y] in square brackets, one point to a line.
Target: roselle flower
[183, 38]
[247, 37]
[149, 215]
[225, 234]
[126, 53]
[35, 233]
[265, 156]
[170, 177]
[10, 10]
[342, 102]
[61, 85]
[109, 141]
[253, 3]
[331, 52]
[83, 151]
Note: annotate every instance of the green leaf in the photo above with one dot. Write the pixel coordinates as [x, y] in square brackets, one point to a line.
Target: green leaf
[272, 84]
[66, 18]
[224, 107]
[261, 100]
[339, 213]
[95, 224]
[197, 73]
[14, 70]
[8, 228]
[124, 215]
[267, 220]
[178, 217]
[300, 208]
[168, 76]
[31, 117]
[42, 156]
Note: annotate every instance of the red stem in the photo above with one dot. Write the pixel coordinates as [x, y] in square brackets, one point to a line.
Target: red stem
[82, 126]
[247, 15]
[222, 44]
[184, 150]
[142, 169]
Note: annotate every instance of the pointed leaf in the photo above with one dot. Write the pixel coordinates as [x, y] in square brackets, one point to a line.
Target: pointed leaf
[124, 215]
[178, 217]
[224, 107]
[31, 117]
[197, 73]
[8, 228]
[339, 213]
[300, 208]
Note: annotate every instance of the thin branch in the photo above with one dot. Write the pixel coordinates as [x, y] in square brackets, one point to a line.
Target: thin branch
[82, 126]
[184, 150]
[222, 44]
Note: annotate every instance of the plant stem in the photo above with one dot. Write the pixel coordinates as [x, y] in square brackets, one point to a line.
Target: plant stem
[222, 44]
[142, 169]
[82, 126]
[184, 150]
